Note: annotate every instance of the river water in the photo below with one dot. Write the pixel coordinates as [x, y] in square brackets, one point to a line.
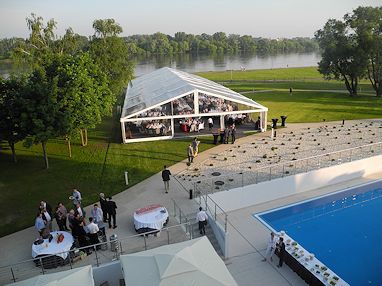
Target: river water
[198, 63]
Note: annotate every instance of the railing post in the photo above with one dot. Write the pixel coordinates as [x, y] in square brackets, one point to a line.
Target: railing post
[120, 246]
[257, 176]
[144, 239]
[242, 179]
[70, 261]
[42, 266]
[283, 171]
[13, 275]
[168, 236]
[270, 173]
[174, 208]
[180, 216]
[95, 251]
[225, 223]
[215, 211]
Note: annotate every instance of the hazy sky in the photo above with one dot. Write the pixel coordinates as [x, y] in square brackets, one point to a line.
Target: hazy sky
[260, 18]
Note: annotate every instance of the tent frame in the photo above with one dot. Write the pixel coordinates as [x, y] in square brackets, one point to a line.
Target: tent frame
[257, 108]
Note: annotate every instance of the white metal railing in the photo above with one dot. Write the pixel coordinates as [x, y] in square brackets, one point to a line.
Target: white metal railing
[101, 253]
[274, 171]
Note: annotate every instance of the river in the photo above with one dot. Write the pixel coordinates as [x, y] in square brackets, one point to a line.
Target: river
[217, 62]
[198, 63]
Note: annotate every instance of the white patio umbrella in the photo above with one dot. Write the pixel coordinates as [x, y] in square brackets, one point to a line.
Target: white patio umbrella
[192, 262]
[79, 276]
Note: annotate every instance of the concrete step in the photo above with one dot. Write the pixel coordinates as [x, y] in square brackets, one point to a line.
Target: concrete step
[211, 237]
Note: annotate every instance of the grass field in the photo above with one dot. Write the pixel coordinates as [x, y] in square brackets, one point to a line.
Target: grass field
[101, 165]
[303, 106]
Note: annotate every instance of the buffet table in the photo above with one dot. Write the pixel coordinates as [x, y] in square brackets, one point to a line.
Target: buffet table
[150, 218]
[58, 250]
[307, 266]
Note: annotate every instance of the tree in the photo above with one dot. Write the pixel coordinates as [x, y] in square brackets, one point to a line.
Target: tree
[12, 117]
[83, 94]
[42, 110]
[367, 25]
[342, 57]
[111, 54]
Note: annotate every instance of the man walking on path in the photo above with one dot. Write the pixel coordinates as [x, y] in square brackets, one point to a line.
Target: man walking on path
[281, 250]
[202, 218]
[112, 212]
[166, 178]
[190, 154]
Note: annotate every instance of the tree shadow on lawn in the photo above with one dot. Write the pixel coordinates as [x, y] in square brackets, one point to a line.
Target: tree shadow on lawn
[25, 184]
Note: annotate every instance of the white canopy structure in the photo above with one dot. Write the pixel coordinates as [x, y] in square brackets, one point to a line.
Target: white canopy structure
[155, 100]
[193, 262]
[78, 276]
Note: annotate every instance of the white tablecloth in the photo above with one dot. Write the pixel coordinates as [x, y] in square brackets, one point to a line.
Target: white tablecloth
[53, 247]
[152, 216]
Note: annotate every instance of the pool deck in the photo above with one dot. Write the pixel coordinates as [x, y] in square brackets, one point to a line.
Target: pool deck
[247, 235]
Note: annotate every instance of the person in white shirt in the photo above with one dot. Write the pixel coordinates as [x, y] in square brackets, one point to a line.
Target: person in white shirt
[202, 218]
[47, 218]
[97, 215]
[93, 231]
[210, 123]
[79, 210]
[271, 244]
[76, 197]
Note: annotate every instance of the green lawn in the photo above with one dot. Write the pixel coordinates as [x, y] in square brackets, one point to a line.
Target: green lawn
[303, 106]
[100, 166]
[24, 184]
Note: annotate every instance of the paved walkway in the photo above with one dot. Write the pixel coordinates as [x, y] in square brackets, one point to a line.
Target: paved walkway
[17, 246]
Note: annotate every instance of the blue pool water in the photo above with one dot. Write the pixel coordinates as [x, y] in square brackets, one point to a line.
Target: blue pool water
[343, 230]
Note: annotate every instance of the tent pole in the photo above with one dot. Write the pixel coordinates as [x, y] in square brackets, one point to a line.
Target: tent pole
[123, 132]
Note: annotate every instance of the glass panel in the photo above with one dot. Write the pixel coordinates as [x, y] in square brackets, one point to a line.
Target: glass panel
[162, 110]
[184, 105]
[210, 104]
[148, 128]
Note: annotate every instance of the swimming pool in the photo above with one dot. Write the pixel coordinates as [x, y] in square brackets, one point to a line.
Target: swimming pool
[343, 230]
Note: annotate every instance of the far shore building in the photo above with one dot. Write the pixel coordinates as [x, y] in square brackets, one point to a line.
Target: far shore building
[160, 103]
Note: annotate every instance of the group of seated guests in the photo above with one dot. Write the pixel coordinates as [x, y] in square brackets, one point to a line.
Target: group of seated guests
[184, 105]
[214, 104]
[191, 124]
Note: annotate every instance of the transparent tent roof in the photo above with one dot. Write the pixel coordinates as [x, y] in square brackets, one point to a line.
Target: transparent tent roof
[164, 84]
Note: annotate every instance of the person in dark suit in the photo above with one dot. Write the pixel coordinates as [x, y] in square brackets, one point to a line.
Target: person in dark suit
[166, 178]
[112, 212]
[281, 249]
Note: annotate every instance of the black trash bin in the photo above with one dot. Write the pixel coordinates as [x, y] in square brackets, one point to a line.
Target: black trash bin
[274, 122]
[283, 119]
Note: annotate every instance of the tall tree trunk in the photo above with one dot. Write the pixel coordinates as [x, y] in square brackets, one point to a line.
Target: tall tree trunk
[12, 145]
[82, 138]
[45, 154]
[86, 137]
[69, 146]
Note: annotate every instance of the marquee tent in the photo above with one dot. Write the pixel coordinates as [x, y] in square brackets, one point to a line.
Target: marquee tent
[78, 276]
[155, 101]
[193, 262]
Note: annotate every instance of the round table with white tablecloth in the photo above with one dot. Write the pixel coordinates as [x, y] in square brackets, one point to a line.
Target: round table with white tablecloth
[150, 218]
[60, 250]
